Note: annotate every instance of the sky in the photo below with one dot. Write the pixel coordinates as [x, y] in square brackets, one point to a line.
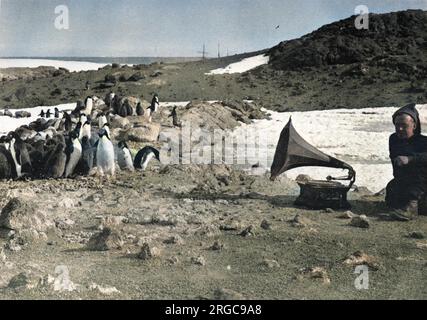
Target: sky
[167, 28]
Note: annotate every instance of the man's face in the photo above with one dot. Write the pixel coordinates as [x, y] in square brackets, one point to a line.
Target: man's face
[405, 126]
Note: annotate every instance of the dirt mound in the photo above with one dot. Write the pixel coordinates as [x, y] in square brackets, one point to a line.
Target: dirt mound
[398, 33]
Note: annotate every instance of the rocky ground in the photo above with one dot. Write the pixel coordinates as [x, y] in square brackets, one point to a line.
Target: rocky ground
[187, 232]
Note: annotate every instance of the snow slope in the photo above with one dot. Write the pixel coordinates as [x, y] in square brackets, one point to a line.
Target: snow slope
[242, 66]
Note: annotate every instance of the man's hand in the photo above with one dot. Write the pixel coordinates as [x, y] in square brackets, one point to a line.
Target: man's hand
[401, 161]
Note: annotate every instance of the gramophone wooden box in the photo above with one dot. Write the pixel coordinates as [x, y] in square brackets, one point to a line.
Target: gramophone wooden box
[317, 194]
[292, 152]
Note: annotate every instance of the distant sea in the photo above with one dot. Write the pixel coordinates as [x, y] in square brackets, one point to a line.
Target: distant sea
[120, 60]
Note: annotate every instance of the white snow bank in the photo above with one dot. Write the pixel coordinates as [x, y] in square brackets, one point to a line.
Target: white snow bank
[242, 66]
[8, 124]
[358, 137]
[34, 63]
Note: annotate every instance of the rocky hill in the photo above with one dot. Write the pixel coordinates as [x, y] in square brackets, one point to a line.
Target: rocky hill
[336, 66]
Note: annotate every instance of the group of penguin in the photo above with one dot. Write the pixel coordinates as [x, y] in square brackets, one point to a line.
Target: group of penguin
[66, 147]
[124, 110]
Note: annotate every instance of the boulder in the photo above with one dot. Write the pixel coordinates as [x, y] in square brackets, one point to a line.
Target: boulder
[26, 219]
[107, 239]
[148, 252]
[147, 132]
[120, 122]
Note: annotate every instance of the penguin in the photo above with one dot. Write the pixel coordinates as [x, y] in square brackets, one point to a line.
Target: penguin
[123, 111]
[37, 154]
[139, 109]
[56, 113]
[78, 129]
[88, 106]
[129, 109]
[73, 151]
[116, 104]
[174, 116]
[79, 107]
[144, 156]
[7, 165]
[85, 164]
[105, 160]
[7, 112]
[102, 120]
[155, 104]
[124, 157]
[85, 130]
[48, 114]
[42, 114]
[83, 118]
[68, 123]
[55, 165]
[20, 155]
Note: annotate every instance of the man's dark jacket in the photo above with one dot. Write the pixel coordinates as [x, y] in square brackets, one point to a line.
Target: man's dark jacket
[410, 181]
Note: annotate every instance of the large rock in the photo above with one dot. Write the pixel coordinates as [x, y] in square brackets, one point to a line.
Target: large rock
[120, 122]
[26, 219]
[107, 239]
[147, 132]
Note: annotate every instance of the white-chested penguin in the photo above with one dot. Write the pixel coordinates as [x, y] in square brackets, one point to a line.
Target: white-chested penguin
[20, 155]
[105, 160]
[73, 151]
[144, 156]
[88, 106]
[102, 119]
[124, 157]
[155, 104]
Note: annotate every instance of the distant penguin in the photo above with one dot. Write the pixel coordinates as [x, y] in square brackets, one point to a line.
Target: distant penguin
[124, 157]
[48, 114]
[56, 113]
[7, 112]
[88, 106]
[155, 104]
[86, 130]
[144, 156]
[68, 123]
[116, 104]
[139, 109]
[79, 107]
[102, 120]
[174, 116]
[73, 151]
[105, 160]
[55, 165]
[129, 109]
[123, 111]
[42, 114]
[86, 160]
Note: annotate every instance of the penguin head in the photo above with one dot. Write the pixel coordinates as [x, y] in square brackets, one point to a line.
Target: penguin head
[74, 135]
[123, 145]
[104, 133]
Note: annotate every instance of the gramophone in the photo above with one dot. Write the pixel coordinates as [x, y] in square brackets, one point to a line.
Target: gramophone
[292, 152]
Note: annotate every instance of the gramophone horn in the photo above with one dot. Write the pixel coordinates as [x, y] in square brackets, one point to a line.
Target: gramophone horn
[293, 151]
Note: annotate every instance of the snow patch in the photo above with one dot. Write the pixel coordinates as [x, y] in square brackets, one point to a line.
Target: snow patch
[242, 66]
[72, 66]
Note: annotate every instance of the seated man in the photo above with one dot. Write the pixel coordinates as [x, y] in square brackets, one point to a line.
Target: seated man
[408, 153]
